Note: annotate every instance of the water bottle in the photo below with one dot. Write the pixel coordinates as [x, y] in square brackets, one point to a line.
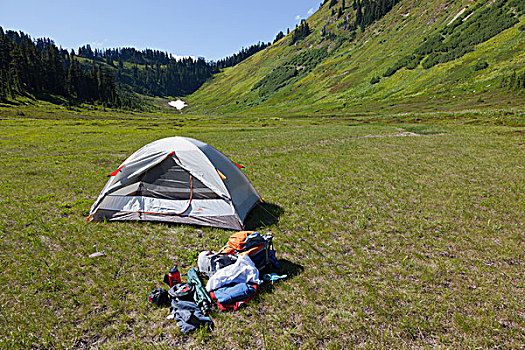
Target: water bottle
[174, 276]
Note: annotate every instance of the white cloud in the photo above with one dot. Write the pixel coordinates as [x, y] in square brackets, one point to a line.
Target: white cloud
[99, 44]
[308, 14]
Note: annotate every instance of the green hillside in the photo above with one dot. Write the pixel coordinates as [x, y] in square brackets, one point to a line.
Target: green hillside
[416, 56]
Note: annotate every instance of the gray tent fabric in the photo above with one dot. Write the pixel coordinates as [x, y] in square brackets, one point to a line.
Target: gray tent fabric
[179, 180]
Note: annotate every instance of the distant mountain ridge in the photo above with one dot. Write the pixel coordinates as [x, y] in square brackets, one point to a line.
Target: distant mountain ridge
[373, 55]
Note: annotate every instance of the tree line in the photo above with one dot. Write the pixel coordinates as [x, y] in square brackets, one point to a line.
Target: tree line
[157, 73]
[109, 76]
[243, 54]
[177, 77]
[30, 66]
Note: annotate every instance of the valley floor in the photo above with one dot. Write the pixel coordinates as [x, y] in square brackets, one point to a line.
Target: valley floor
[396, 231]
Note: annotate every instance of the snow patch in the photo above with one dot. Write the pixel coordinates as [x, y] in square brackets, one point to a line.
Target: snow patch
[456, 16]
[179, 104]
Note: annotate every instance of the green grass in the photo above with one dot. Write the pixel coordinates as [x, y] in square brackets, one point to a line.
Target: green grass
[345, 80]
[395, 241]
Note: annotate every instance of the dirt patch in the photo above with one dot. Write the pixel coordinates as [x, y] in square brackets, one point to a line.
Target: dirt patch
[401, 134]
[339, 87]
[344, 85]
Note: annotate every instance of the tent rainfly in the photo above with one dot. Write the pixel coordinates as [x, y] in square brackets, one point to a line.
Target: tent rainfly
[179, 180]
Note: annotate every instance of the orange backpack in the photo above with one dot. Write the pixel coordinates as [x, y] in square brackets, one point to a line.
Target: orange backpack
[243, 240]
[250, 243]
[238, 239]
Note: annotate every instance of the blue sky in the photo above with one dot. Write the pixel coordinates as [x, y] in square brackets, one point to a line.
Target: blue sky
[212, 29]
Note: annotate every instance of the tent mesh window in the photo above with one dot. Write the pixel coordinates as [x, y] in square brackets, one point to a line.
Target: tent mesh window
[167, 180]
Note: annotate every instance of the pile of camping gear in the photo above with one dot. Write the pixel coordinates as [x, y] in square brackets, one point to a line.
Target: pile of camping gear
[233, 276]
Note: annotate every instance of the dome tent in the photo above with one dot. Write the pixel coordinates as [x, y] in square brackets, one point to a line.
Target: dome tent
[179, 180]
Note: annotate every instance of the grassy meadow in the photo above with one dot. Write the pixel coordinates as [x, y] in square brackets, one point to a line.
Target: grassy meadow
[396, 232]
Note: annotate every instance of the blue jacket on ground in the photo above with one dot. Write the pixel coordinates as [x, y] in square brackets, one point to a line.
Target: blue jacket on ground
[188, 316]
[233, 293]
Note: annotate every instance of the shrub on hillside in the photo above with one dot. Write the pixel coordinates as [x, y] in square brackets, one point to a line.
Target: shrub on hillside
[281, 76]
[480, 65]
[514, 81]
[275, 80]
[476, 25]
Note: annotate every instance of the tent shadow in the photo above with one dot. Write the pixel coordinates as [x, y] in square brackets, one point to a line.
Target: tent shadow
[288, 268]
[262, 215]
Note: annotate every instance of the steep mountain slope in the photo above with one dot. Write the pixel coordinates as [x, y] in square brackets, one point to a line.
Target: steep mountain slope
[382, 55]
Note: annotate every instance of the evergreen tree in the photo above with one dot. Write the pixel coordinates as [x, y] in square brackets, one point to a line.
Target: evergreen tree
[278, 37]
[35, 66]
[359, 15]
[300, 32]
